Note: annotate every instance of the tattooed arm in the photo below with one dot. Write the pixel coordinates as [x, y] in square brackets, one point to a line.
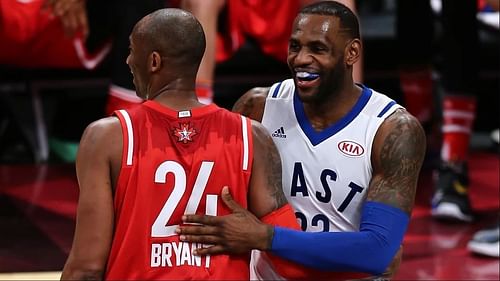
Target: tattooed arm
[265, 192]
[397, 156]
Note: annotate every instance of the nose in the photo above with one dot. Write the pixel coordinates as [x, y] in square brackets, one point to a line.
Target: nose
[303, 57]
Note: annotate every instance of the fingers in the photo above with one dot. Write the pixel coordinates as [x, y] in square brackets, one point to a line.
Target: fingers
[212, 250]
[229, 201]
[72, 14]
[196, 230]
[70, 24]
[84, 25]
[61, 7]
[203, 239]
[201, 219]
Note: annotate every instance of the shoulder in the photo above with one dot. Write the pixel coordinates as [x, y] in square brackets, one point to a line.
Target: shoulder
[402, 121]
[397, 156]
[103, 127]
[262, 140]
[259, 131]
[105, 131]
[101, 144]
[400, 136]
[252, 103]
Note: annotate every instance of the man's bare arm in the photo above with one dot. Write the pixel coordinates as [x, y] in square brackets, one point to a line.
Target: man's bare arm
[398, 153]
[95, 216]
[265, 192]
[252, 103]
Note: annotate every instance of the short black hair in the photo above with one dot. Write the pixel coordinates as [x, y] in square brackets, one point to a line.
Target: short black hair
[348, 20]
[175, 33]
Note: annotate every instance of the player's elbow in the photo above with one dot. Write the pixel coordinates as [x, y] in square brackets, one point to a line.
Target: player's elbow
[82, 274]
[377, 268]
[381, 255]
[73, 271]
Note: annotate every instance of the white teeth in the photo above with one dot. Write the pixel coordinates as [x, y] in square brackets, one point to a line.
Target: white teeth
[302, 74]
[307, 75]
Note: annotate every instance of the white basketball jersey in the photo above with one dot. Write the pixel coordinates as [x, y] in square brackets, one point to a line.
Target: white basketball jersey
[326, 174]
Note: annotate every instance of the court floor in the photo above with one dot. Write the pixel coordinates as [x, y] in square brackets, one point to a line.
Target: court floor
[38, 204]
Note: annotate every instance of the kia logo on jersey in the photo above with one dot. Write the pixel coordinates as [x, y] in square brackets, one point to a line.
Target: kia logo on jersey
[351, 148]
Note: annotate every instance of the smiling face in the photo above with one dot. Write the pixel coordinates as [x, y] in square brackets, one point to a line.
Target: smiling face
[316, 56]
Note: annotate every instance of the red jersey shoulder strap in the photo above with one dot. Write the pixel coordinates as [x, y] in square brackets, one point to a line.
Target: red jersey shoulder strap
[246, 128]
[128, 136]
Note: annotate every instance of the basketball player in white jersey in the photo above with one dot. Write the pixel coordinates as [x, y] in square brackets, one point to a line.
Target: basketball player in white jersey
[351, 158]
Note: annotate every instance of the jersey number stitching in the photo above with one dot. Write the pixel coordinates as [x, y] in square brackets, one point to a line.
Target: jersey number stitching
[160, 227]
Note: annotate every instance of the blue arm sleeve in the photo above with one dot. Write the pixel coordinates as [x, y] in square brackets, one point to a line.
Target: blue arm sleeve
[370, 250]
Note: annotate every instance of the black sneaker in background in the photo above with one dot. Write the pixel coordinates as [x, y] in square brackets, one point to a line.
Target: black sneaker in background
[451, 198]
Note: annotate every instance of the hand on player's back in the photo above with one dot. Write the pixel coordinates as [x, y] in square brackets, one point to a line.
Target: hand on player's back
[236, 233]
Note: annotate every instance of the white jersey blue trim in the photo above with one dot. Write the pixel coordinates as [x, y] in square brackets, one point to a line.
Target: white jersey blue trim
[386, 108]
[326, 175]
[318, 137]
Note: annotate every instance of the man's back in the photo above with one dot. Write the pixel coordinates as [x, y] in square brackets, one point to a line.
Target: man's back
[176, 163]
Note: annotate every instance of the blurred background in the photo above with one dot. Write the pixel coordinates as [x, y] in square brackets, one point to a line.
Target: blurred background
[57, 76]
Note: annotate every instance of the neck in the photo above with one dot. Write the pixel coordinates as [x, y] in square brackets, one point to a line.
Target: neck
[178, 94]
[325, 113]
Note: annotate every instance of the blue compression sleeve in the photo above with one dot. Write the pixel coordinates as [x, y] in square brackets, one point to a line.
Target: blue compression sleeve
[370, 250]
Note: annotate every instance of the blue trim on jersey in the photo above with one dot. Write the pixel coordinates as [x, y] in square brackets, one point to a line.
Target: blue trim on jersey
[276, 90]
[386, 108]
[317, 137]
[370, 250]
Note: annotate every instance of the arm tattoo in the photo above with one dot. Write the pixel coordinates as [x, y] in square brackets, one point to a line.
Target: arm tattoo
[274, 176]
[400, 160]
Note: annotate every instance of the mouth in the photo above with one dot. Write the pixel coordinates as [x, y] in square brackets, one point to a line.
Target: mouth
[306, 79]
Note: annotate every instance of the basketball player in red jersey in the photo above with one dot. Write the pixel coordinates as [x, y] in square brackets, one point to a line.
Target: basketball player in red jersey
[140, 170]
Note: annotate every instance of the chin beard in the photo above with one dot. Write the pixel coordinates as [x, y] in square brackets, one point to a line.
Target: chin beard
[332, 85]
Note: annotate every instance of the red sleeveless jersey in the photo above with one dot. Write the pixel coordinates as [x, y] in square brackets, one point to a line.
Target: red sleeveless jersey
[175, 163]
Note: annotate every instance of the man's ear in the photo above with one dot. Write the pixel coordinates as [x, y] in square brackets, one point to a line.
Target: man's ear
[353, 52]
[155, 61]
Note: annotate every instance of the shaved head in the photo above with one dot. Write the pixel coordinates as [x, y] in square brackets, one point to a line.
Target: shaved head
[175, 34]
